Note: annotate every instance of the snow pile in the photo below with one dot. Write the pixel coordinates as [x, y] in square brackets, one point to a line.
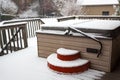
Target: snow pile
[25, 65]
[67, 23]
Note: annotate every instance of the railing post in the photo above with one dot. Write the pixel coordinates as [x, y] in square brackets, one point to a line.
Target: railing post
[1, 45]
[4, 36]
[24, 34]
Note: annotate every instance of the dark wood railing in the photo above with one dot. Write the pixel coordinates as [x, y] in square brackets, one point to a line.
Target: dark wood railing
[13, 37]
[33, 24]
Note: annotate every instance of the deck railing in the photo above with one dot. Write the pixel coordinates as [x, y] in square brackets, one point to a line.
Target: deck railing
[33, 24]
[13, 37]
[89, 17]
[99, 17]
[14, 34]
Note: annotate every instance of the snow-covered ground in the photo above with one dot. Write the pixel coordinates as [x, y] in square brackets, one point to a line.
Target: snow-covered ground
[26, 65]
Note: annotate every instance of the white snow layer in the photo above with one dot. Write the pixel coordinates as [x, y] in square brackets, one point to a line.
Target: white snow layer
[99, 24]
[26, 65]
[64, 51]
[52, 59]
[49, 20]
[86, 24]
[97, 2]
[54, 23]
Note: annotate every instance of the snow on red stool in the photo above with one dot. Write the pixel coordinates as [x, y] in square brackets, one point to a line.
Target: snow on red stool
[67, 54]
[74, 66]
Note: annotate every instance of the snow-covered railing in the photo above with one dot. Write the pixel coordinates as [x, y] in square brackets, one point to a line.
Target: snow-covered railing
[13, 37]
[88, 17]
[65, 18]
[33, 24]
[98, 17]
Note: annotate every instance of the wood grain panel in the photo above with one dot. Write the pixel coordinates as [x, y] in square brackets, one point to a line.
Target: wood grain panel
[48, 44]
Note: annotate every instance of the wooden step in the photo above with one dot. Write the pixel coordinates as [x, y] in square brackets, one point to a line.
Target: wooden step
[67, 54]
[74, 66]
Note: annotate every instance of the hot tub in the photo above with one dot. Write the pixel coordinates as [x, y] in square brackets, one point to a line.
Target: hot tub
[97, 40]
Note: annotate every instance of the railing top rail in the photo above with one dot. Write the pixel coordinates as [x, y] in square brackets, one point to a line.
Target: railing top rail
[99, 17]
[96, 16]
[21, 20]
[88, 17]
[12, 24]
[65, 18]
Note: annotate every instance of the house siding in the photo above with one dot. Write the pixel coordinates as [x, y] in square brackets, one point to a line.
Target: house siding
[98, 9]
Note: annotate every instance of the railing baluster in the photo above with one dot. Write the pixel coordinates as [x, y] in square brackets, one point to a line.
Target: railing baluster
[17, 41]
[9, 40]
[13, 40]
[24, 37]
[28, 28]
[20, 36]
[31, 30]
[37, 25]
[40, 24]
[32, 27]
[4, 36]
[1, 42]
[6, 49]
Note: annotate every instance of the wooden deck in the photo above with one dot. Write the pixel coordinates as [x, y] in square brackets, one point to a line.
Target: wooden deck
[113, 75]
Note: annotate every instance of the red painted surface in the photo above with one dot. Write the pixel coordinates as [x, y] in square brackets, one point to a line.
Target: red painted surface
[75, 69]
[68, 57]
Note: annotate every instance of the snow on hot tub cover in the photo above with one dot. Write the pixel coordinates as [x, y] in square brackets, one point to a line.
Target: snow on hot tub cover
[53, 23]
[99, 25]
[85, 24]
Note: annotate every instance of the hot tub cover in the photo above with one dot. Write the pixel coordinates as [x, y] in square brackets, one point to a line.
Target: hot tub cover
[104, 27]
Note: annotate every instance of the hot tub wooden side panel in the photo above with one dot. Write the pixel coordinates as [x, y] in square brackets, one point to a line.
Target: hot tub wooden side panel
[115, 57]
[48, 44]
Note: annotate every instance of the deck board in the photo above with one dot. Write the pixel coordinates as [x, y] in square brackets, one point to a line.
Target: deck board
[115, 75]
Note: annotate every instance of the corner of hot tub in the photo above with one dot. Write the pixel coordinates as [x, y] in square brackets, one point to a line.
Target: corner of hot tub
[52, 32]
